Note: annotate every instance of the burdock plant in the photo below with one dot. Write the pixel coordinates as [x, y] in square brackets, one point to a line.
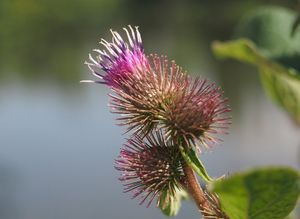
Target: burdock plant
[171, 118]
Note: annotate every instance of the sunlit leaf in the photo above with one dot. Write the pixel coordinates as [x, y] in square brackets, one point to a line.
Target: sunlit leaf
[275, 32]
[259, 194]
[282, 84]
[295, 26]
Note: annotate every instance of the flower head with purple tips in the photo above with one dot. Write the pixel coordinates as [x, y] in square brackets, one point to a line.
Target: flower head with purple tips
[152, 93]
[119, 59]
[163, 108]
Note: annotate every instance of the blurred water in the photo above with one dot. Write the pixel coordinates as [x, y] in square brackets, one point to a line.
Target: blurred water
[58, 149]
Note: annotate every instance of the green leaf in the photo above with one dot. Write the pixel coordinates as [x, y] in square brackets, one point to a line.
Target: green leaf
[295, 25]
[281, 84]
[246, 51]
[283, 90]
[242, 49]
[259, 194]
[170, 204]
[274, 31]
[274, 47]
[191, 158]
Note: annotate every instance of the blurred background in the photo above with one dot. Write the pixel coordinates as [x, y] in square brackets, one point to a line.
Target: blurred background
[58, 140]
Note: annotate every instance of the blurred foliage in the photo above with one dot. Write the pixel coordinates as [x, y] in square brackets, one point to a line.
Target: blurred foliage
[273, 31]
[39, 37]
[259, 194]
[281, 83]
[274, 49]
[48, 40]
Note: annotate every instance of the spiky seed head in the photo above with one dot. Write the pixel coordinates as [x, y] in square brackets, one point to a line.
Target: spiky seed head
[145, 96]
[152, 93]
[196, 114]
[192, 110]
[150, 167]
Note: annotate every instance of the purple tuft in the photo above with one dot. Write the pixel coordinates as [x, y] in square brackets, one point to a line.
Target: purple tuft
[119, 59]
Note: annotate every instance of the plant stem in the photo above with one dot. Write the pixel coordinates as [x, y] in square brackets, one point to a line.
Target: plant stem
[195, 189]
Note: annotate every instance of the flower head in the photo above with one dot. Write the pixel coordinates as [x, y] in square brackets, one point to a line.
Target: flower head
[145, 96]
[149, 168]
[196, 114]
[188, 110]
[164, 109]
[119, 59]
[151, 93]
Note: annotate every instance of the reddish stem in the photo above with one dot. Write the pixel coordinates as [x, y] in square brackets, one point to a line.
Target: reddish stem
[195, 189]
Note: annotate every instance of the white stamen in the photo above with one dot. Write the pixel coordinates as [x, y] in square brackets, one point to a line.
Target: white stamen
[88, 63]
[117, 48]
[102, 53]
[99, 58]
[105, 53]
[139, 38]
[133, 33]
[87, 81]
[92, 70]
[97, 75]
[103, 41]
[116, 37]
[93, 60]
[129, 38]
[98, 51]
[108, 47]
